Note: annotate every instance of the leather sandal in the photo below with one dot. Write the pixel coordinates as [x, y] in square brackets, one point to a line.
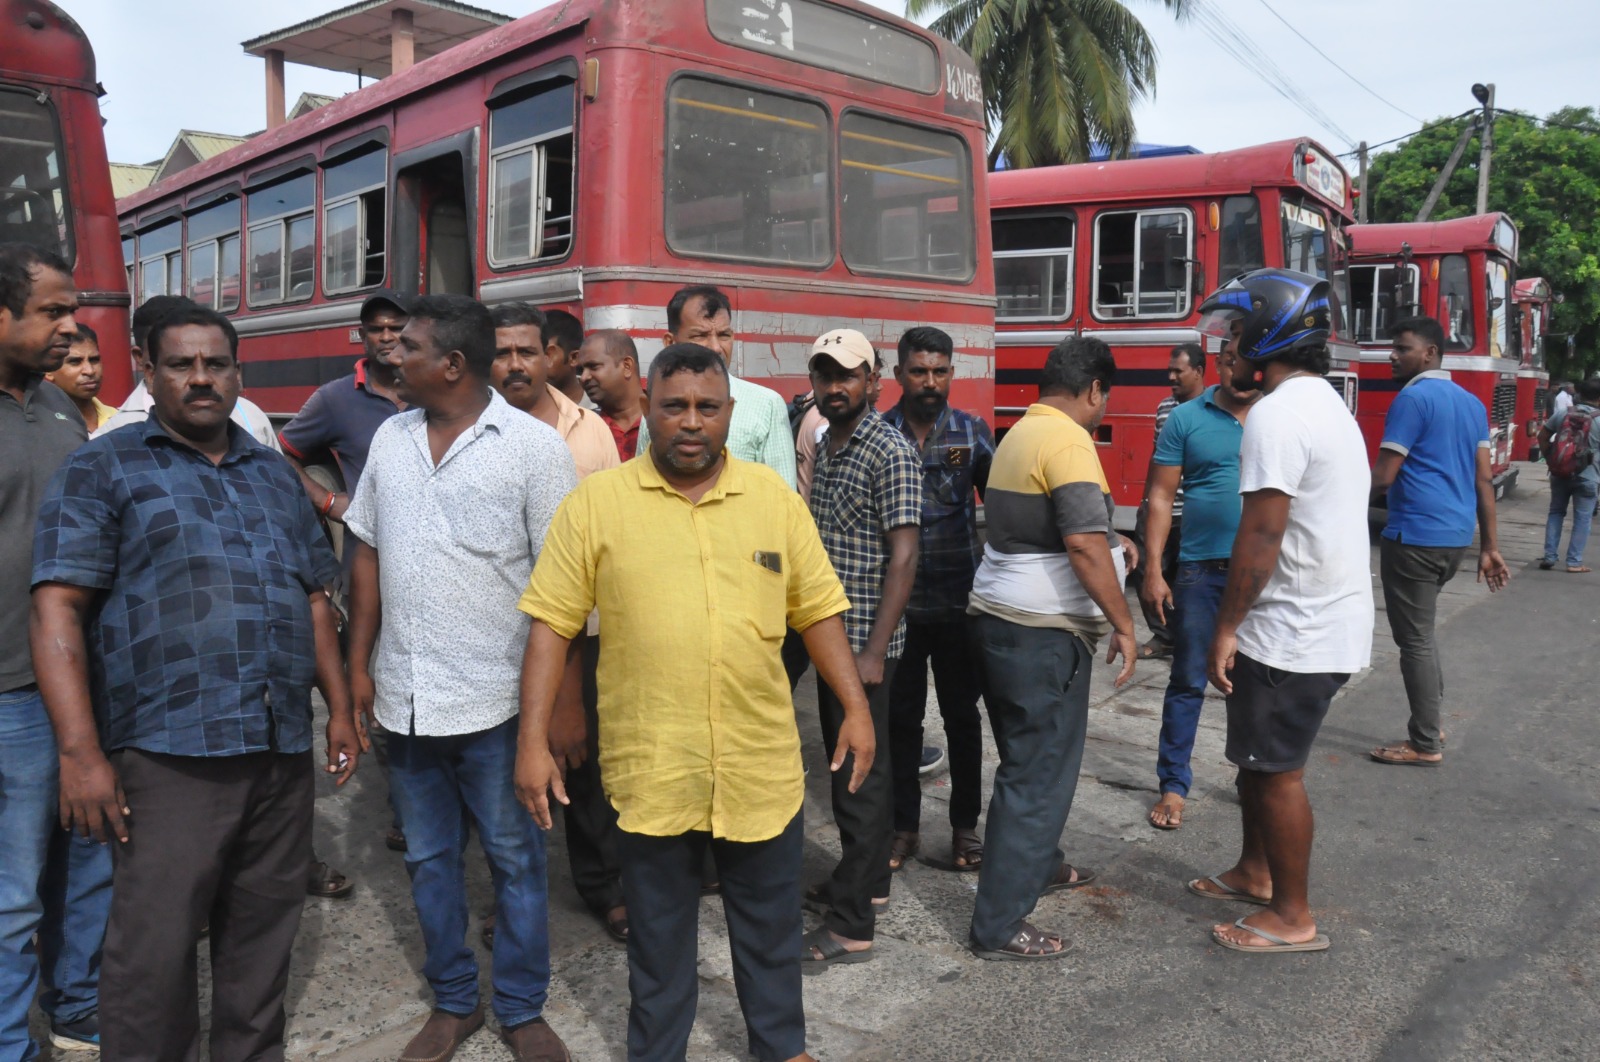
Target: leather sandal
[1028, 944]
[902, 848]
[966, 848]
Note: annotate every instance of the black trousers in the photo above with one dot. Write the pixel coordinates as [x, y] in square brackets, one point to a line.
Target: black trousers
[591, 820]
[761, 901]
[865, 818]
[958, 681]
[223, 840]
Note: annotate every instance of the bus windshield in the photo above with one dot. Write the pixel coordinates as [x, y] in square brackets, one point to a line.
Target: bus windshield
[1312, 245]
[33, 190]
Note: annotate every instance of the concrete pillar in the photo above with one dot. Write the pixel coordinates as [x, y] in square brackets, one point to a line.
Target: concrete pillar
[402, 41]
[276, 108]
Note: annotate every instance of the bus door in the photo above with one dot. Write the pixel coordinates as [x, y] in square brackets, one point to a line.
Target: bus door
[435, 201]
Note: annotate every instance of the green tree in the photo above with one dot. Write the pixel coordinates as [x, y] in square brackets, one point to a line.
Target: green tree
[1546, 175]
[1058, 75]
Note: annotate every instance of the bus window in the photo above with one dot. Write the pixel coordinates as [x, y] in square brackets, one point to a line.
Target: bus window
[907, 201]
[1241, 246]
[747, 174]
[214, 255]
[1455, 302]
[1305, 240]
[282, 240]
[1499, 293]
[1375, 303]
[1033, 267]
[353, 220]
[33, 191]
[1139, 266]
[531, 174]
[161, 261]
[130, 258]
[827, 36]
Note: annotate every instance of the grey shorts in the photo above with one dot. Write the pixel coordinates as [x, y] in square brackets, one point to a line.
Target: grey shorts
[1274, 715]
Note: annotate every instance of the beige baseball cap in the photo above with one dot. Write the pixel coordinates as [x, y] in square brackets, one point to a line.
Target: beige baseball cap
[846, 346]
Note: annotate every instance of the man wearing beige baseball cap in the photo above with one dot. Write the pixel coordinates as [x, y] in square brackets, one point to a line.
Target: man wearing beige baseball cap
[866, 496]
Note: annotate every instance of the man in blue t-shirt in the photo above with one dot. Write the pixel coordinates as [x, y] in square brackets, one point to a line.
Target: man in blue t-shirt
[1434, 462]
[1199, 449]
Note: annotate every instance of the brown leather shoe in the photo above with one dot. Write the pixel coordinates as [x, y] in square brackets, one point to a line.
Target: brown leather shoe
[535, 1041]
[440, 1035]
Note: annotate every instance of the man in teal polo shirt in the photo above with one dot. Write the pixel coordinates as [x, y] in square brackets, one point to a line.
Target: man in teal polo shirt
[1434, 462]
[1199, 449]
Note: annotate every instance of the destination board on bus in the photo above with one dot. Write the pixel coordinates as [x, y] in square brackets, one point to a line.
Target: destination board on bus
[830, 37]
[1318, 173]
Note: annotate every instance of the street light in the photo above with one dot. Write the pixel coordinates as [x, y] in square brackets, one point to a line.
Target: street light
[1481, 94]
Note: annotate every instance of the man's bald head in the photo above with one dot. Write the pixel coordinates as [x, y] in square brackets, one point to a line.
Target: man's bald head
[607, 364]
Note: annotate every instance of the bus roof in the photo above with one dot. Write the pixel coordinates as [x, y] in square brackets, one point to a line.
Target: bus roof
[43, 45]
[611, 22]
[1478, 232]
[1216, 173]
[1532, 289]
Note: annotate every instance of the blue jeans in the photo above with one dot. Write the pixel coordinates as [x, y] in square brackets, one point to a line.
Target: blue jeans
[1582, 495]
[52, 883]
[1196, 595]
[436, 783]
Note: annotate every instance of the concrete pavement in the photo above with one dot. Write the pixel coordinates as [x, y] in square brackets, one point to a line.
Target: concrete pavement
[1459, 899]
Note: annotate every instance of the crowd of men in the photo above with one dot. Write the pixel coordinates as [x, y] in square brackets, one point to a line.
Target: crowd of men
[569, 580]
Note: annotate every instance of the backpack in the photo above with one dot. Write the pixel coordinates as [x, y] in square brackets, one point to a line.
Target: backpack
[799, 406]
[1570, 452]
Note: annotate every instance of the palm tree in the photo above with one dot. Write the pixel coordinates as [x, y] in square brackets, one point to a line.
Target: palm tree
[1058, 75]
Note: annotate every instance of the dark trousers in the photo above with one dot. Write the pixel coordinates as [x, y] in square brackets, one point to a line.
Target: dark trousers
[1412, 579]
[1196, 596]
[865, 818]
[1037, 689]
[761, 902]
[591, 820]
[1159, 632]
[222, 840]
[958, 681]
[795, 657]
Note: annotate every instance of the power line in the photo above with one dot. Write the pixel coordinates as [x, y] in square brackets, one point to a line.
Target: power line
[1414, 132]
[1335, 65]
[1590, 129]
[1245, 51]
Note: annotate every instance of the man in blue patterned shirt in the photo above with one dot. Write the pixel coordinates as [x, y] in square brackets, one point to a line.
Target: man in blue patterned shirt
[956, 449]
[179, 622]
[866, 496]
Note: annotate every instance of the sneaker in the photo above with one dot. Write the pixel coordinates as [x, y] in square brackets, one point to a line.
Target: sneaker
[80, 1035]
[932, 760]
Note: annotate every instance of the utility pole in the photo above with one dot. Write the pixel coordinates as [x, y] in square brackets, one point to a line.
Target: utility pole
[1361, 201]
[1485, 95]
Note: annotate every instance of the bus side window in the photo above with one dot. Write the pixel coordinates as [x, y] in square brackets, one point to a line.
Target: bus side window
[282, 232]
[213, 249]
[161, 261]
[531, 174]
[354, 222]
[1242, 247]
[1455, 302]
[1138, 268]
[33, 188]
[906, 199]
[1033, 258]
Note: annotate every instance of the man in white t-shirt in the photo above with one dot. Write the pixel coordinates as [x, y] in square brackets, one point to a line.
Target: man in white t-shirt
[1296, 616]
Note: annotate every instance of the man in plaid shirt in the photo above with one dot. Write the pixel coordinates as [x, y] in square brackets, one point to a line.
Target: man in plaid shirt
[866, 495]
[956, 449]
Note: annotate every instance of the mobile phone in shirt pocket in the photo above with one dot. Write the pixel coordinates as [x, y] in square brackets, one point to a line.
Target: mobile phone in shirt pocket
[768, 593]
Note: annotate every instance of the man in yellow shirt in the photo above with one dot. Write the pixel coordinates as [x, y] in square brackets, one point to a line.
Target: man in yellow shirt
[79, 376]
[697, 562]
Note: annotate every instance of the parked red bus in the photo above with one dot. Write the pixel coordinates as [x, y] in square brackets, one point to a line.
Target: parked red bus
[596, 156]
[1157, 235]
[1462, 272]
[55, 183]
[1535, 302]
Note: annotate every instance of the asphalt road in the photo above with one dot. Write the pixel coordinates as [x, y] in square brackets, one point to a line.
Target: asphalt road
[1460, 900]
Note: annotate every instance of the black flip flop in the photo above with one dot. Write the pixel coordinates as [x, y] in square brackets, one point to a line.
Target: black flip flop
[1085, 877]
[828, 952]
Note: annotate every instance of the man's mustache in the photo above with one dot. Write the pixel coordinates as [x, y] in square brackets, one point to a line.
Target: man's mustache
[518, 378]
[201, 396]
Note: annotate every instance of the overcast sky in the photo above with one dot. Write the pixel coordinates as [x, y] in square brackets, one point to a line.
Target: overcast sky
[171, 64]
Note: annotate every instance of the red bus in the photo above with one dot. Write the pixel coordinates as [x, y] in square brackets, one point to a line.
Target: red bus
[1157, 235]
[1535, 302]
[820, 161]
[55, 183]
[1461, 272]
